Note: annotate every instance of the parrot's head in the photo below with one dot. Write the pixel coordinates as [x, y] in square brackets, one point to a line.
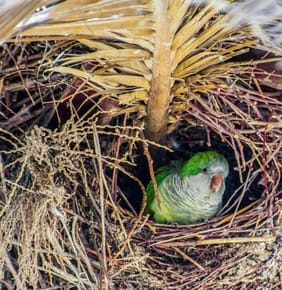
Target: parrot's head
[209, 169]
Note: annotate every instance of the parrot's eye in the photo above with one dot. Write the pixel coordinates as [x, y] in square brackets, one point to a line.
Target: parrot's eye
[205, 169]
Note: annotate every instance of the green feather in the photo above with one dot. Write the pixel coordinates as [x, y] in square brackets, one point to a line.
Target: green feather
[161, 174]
[198, 162]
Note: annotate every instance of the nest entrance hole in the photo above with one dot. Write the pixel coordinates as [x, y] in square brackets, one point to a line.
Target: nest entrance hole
[185, 142]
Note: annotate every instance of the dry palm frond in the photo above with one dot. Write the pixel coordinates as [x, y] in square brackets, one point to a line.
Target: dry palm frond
[149, 49]
[17, 15]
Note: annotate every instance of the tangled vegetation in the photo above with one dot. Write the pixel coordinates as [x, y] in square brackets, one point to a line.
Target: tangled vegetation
[94, 97]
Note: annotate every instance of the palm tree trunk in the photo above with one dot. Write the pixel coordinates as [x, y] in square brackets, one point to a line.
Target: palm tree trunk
[159, 100]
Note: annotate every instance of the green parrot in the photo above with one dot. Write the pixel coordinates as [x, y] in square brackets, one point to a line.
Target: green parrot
[188, 192]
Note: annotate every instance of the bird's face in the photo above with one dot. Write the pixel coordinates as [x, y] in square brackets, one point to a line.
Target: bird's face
[215, 173]
[205, 174]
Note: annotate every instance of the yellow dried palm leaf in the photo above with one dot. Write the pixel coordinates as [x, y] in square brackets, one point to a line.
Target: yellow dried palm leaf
[156, 46]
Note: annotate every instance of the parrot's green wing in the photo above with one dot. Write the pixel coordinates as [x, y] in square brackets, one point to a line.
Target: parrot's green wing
[161, 174]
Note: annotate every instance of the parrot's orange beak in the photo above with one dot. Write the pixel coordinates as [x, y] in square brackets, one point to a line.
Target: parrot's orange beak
[216, 182]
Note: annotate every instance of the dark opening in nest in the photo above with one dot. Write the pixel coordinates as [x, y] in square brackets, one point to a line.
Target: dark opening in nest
[185, 142]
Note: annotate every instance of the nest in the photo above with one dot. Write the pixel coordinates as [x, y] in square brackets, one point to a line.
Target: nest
[75, 164]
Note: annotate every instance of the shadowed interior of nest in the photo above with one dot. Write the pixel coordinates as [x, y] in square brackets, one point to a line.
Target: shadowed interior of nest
[186, 141]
